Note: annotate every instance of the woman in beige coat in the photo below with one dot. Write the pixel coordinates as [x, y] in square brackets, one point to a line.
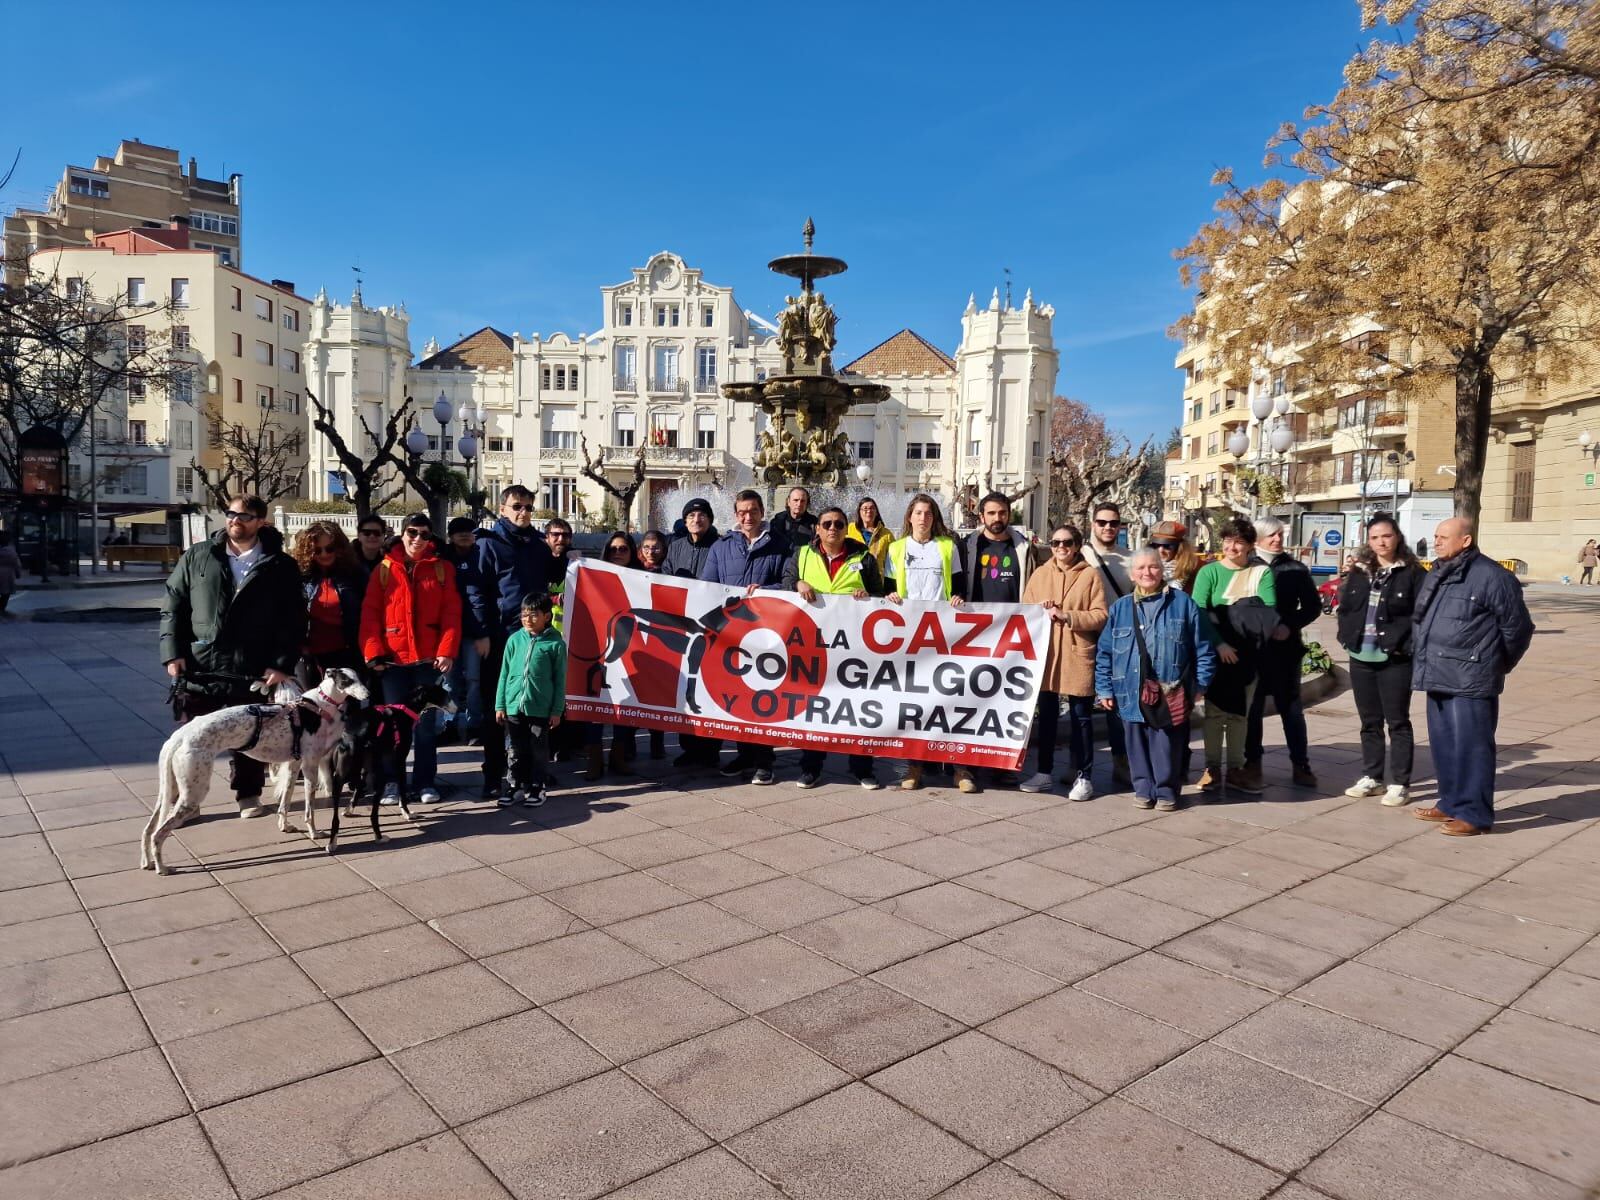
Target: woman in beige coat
[1072, 594]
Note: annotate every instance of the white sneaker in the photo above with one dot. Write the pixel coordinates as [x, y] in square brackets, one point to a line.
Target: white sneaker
[1082, 790]
[1397, 795]
[1363, 787]
[1037, 783]
[428, 796]
[391, 794]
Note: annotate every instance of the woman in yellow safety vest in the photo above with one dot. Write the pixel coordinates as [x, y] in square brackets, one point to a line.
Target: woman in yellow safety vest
[832, 565]
[868, 529]
[924, 564]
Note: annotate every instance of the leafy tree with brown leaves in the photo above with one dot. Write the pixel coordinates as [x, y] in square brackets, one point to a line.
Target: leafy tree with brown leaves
[1089, 463]
[1438, 225]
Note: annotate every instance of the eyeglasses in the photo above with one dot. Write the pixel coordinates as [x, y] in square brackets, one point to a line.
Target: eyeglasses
[616, 549]
[1062, 543]
[230, 515]
[1165, 545]
[520, 507]
[371, 533]
[830, 524]
[558, 534]
[1107, 524]
[416, 533]
[321, 550]
[652, 548]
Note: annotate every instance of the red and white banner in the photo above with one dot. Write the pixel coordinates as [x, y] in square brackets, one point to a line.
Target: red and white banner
[909, 681]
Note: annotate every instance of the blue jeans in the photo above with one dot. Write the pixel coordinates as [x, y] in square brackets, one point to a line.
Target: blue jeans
[464, 689]
[397, 683]
[1461, 736]
[1080, 730]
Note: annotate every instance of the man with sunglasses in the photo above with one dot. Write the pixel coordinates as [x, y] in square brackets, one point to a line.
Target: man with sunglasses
[371, 533]
[1103, 553]
[234, 613]
[513, 562]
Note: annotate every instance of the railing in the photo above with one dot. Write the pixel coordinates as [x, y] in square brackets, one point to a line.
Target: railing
[705, 383]
[667, 383]
[558, 453]
[625, 383]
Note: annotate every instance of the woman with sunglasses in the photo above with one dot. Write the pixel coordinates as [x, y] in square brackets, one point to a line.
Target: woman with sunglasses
[1071, 592]
[1179, 562]
[619, 551]
[334, 586]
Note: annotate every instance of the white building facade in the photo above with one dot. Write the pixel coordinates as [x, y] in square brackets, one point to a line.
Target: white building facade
[650, 378]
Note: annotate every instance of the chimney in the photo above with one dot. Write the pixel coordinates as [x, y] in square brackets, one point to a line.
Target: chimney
[194, 167]
[283, 285]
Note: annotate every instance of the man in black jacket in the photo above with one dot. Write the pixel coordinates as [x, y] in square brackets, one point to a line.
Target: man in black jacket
[1279, 669]
[1471, 628]
[797, 523]
[234, 613]
[686, 554]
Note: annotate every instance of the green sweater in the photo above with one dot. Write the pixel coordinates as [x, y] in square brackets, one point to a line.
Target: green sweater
[1219, 585]
[533, 676]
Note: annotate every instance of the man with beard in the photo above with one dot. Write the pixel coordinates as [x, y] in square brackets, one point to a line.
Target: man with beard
[1103, 553]
[513, 563]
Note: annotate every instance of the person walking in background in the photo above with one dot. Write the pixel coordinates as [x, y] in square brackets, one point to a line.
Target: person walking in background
[796, 524]
[1179, 562]
[411, 634]
[10, 570]
[371, 533]
[1237, 602]
[1374, 619]
[334, 586]
[751, 556]
[833, 565]
[924, 565]
[513, 563]
[868, 529]
[1471, 629]
[1153, 636]
[1278, 678]
[1589, 559]
[1104, 553]
[1071, 592]
[530, 698]
[233, 613]
[465, 682]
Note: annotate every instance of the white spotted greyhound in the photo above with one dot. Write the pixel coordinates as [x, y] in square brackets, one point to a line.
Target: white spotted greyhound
[297, 734]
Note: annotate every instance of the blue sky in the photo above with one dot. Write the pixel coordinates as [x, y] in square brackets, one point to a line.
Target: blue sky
[497, 163]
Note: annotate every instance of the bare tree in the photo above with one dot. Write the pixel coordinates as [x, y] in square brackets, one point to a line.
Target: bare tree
[257, 460]
[369, 481]
[594, 468]
[1089, 463]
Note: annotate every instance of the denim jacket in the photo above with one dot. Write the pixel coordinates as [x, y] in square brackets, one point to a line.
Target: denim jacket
[1172, 634]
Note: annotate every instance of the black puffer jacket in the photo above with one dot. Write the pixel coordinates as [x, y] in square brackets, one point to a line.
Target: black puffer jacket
[215, 629]
[1298, 604]
[1472, 627]
[1397, 598]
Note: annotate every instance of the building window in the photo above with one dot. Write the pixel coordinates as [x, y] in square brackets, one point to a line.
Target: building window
[667, 315]
[291, 361]
[182, 435]
[663, 429]
[88, 185]
[1522, 455]
[1194, 447]
[705, 369]
[930, 452]
[180, 293]
[238, 391]
[238, 301]
[1216, 403]
[135, 340]
[291, 402]
[1196, 410]
[572, 379]
[561, 379]
[264, 397]
[291, 320]
[974, 446]
[560, 495]
[136, 291]
[186, 480]
[1211, 444]
[210, 222]
[137, 433]
[666, 369]
[624, 314]
[560, 430]
[864, 452]
[136, 387]
[708, 315]
[263, 309]
[102, 428]
[180, 337]
[705, 431]
[627, 428]
[627, 367]
[264, 353]
[238, 345]
[182, 388]
[544, 378]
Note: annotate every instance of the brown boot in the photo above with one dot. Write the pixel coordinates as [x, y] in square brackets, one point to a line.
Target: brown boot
[965, 782]
[1211, 781]
[620, 757]
[597, 763]
[1247, 779]
[913, 779]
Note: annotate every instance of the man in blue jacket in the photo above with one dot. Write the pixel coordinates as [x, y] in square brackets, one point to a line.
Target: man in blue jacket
[513, 562]
[751, 557]
[1470, 628]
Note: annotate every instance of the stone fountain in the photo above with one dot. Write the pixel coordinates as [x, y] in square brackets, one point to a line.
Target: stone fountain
[802, 443]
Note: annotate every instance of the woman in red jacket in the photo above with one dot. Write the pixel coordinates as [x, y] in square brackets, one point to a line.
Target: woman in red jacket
[411, 633]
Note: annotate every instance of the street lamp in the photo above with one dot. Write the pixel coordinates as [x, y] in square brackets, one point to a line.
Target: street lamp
[469, 445]
[1587, 445]
[1394, 458]
[864, 473]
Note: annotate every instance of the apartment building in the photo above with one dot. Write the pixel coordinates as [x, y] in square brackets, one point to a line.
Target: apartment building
[242, 337]
[140, 186]
[650, 378]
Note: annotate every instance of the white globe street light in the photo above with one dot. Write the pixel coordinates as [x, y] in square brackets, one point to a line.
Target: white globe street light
[417, 441]
[468, 445]
[1585, 439]
[1281, 405]
[1282, 439]
[1239, 444]
[864, 473]
[1261, 406]
[443, 410]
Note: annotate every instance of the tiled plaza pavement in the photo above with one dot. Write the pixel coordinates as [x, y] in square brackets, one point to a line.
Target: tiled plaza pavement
[691, 990]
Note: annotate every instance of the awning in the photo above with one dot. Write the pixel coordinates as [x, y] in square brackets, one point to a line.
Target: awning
[156, 516]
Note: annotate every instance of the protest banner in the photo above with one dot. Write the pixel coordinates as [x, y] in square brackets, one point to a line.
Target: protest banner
[915, 681]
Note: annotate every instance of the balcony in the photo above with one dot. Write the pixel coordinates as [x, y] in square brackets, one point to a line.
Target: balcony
[667, 383]
[705, 383]
[713, 458]
[560, 454]
[1387, 425]
[1519, 395]
[625, 383]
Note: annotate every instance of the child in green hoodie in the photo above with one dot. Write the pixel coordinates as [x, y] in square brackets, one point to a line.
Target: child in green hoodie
[529, 701]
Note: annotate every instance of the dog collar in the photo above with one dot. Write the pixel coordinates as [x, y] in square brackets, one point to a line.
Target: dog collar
[401, 708]
[321, 703]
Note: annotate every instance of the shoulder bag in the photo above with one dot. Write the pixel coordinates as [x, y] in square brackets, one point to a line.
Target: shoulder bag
[1163, 706]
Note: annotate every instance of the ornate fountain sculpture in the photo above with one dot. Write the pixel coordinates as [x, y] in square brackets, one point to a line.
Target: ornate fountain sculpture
[803, 443]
